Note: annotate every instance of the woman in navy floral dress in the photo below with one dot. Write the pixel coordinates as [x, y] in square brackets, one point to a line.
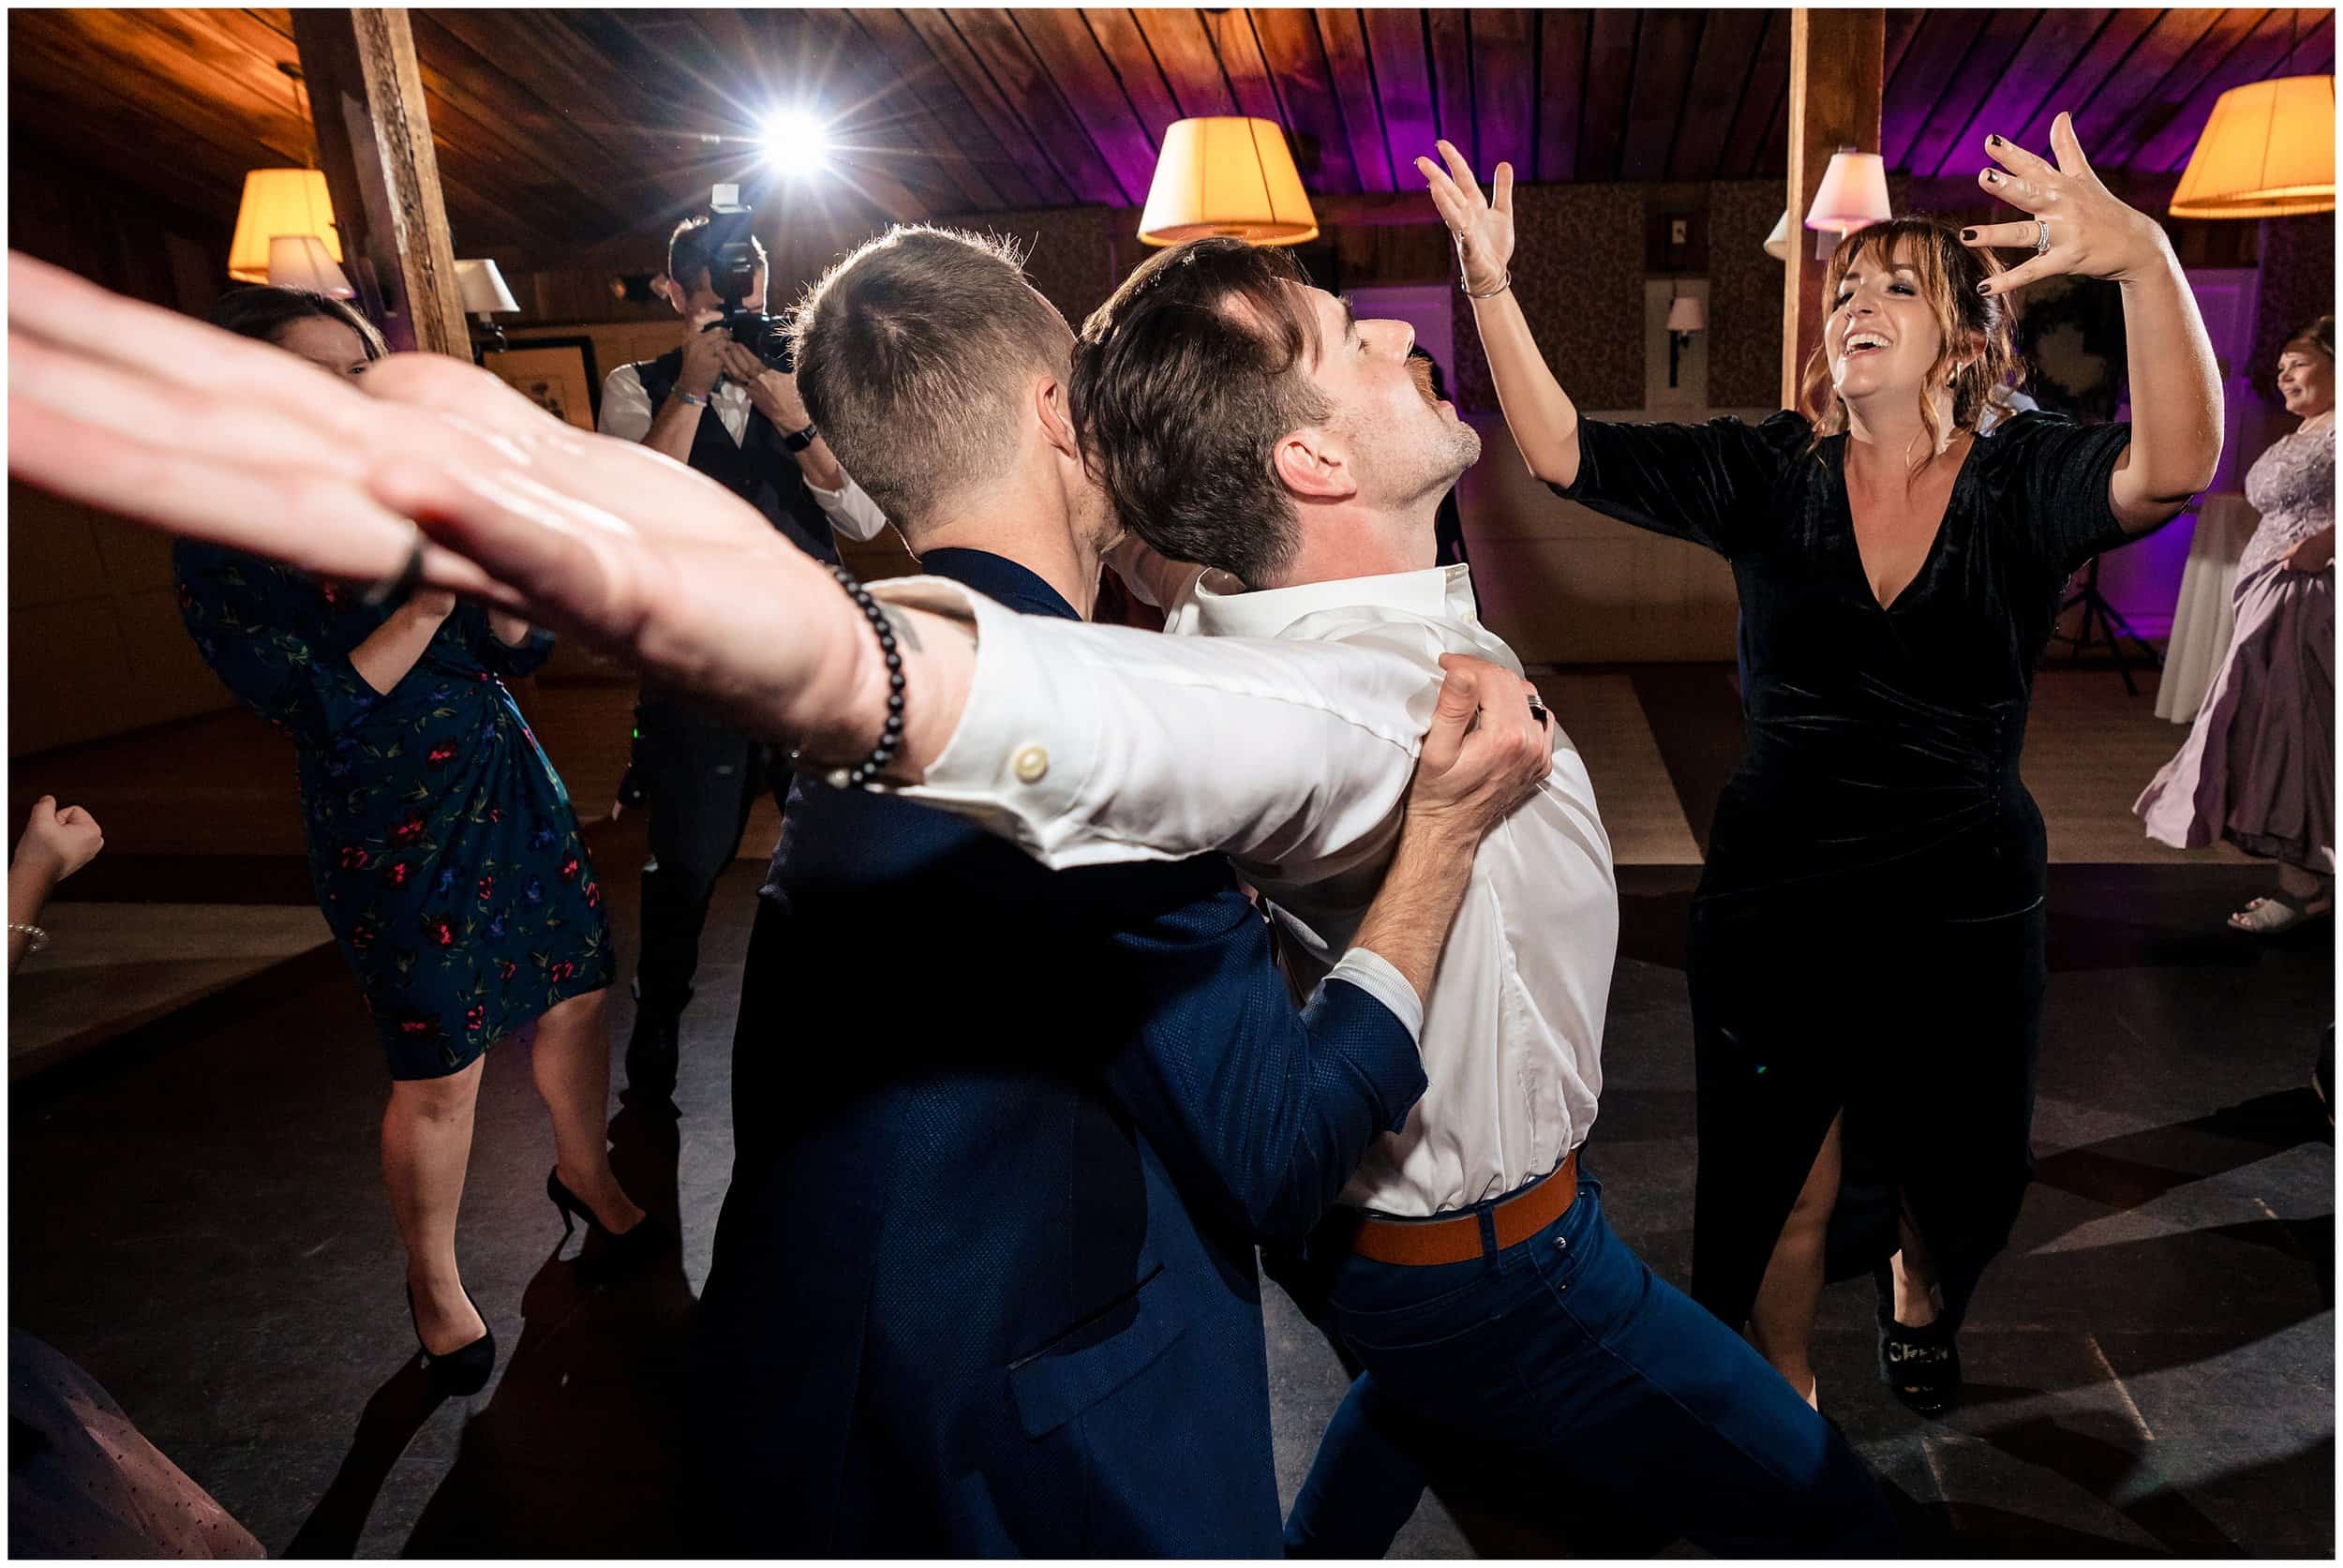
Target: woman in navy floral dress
[442, 846]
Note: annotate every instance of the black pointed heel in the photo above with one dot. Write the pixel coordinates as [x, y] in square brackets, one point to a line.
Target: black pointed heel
[464, 1370]
[1922, 1366]
[618, 1252]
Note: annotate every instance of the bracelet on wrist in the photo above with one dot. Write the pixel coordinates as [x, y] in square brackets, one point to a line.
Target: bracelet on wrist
[40, 937]
[697, 399]
[891, 733]
[1494, 289]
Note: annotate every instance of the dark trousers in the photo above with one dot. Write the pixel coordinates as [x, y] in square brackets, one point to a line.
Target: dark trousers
[702, 779]
[1566, 1364]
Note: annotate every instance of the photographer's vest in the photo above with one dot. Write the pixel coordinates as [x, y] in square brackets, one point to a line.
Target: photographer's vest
[759, 469]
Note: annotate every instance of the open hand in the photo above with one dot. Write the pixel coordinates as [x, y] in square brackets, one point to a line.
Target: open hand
[1481, 228]
[2092, 235]
[1487, 751]
[57, 844]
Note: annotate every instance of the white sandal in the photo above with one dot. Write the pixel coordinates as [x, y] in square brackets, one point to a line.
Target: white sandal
[2276, 913]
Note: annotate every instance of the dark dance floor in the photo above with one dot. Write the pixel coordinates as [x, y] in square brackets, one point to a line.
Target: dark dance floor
[198, 1220]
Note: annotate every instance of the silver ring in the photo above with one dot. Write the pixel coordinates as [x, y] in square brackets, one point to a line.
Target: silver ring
[395, 590]
[2042, 237]
[1537, 709]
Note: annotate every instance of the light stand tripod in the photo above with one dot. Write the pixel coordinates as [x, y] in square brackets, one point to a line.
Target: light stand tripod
[2111, 628]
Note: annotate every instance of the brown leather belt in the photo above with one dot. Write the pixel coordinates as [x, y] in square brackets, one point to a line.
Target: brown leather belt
[1456, 1238]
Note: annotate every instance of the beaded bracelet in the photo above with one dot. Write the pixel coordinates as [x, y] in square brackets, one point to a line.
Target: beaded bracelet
[890, 737]
[40, 937]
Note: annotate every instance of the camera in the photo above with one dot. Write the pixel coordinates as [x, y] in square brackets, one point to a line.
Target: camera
[732, 273]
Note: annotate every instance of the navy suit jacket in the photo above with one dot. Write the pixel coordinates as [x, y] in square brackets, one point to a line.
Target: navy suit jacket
[984, 1280]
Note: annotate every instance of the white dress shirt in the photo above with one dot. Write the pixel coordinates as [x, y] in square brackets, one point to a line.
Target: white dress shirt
[1287, 735]
[627, 413]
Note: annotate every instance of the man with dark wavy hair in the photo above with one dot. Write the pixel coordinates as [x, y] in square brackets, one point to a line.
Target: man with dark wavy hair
[1245, 420]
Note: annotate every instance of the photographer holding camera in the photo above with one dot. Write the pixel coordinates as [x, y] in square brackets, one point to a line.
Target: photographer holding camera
[726, 403]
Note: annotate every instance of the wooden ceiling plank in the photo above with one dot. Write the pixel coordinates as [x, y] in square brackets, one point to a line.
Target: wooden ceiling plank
[1943, 41]
[1562, 36]
[1986, 64]
[1664, 65]
[2231, 33]
[1452, 83]
[1721, 80]
[2315, 54]
[2104, 55]
[1071, 57]
[1403, 76]
[1241, 62]
[2265, 54]
[1902, 25]
[1344, 38]
[1135, 67]
[1000, 50]
[1306, 88]
[1610, 78]
[1504, 88]
[975, 154]
[1761, 114]
[1184, 52]
[2017, 95]
[2158, 53]
[985, 101]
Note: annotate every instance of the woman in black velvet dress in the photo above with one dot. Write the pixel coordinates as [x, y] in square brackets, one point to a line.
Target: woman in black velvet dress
[1867, 955]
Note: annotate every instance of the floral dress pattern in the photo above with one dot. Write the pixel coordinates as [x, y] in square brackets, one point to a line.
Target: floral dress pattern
[443, 846]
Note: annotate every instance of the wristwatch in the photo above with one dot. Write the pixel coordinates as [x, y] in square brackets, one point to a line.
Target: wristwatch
[797, 440]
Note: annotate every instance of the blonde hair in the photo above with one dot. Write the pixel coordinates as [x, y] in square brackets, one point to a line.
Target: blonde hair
[1967, 321]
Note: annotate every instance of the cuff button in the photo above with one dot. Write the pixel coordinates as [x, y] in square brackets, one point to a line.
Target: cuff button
[1031, 764]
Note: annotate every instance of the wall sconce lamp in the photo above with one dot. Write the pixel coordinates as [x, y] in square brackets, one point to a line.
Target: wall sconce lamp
[1687, 315]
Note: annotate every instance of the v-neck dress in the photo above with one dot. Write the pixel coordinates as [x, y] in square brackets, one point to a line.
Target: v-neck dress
[1868, 929]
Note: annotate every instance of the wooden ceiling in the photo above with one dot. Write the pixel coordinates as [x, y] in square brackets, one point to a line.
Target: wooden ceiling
[558, 132]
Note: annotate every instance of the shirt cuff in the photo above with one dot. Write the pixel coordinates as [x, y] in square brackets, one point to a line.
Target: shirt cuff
[1375, 975]
[1018, 762]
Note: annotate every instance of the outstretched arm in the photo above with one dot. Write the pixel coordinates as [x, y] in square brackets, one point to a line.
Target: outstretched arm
[142, 413]
[2175, 381]
[1543, 420]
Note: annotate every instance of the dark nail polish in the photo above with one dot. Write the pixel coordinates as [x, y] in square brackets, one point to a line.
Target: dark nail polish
[1993, 141]
[1993, 176]
[1985, 288]
[1968, 234]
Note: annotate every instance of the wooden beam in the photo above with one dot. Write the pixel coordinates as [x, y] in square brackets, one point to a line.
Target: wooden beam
[1835, 64]
[374, 139]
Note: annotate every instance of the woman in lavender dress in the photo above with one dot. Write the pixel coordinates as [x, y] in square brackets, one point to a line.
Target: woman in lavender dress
[2259, 765]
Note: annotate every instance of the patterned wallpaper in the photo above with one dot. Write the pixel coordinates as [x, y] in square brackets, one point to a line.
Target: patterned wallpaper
[1074, 256]
[2297, 285]
[1744, 295]
[1578, 273]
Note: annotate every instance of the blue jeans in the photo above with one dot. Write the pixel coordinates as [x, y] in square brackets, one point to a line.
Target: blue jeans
[1564, 1363]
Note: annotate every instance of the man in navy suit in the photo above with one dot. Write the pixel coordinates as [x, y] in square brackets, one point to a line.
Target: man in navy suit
[1006, 1137]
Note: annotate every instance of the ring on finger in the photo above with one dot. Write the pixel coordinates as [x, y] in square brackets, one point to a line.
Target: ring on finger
[2042, 236]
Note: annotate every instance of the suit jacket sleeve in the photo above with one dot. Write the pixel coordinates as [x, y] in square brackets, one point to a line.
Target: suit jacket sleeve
[1263, 1114]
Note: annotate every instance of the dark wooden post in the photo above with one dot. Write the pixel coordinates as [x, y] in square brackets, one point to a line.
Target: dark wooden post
[1836, 59]
[374, 142]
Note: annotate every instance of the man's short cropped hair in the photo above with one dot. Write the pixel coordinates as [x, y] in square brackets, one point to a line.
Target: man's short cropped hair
[912, 353]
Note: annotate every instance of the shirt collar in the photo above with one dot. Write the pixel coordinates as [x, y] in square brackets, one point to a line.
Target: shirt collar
[998, 578]
[1224, 609]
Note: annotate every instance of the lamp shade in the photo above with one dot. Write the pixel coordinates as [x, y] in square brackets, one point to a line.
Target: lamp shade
[1227, 175]
[1778, 243]
[280, 202]
[483, 288]
[1687, 314]
[1853, 194]
[300, 261]
[2267, 152]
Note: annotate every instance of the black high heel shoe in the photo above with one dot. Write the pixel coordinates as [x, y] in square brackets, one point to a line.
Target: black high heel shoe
[1922, 1366]
[464, 1370]
[618, 1252]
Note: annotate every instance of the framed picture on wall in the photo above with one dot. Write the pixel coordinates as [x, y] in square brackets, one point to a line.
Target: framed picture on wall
[557, 374]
